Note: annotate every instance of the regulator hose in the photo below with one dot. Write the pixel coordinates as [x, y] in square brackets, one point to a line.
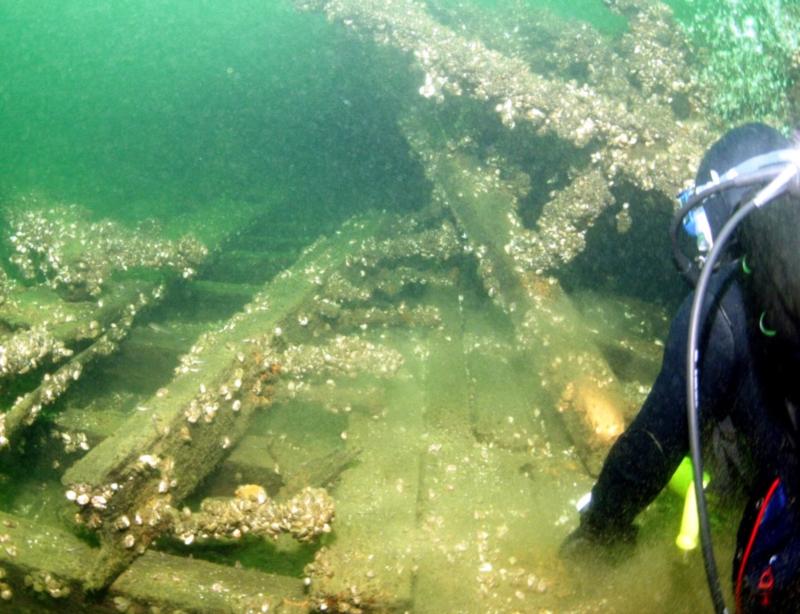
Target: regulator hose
[786, 179]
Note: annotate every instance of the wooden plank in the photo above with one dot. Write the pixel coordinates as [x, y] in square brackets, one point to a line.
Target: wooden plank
[491, 489]
[503, 406]
[123, 384]
[280, 467]
[158, 581]
[248, 267]
[160, 455]
[64, 323]
[221, 291]
[42, 564]
[371, 563]
[446, 524]
[29, 306]
[128, 300]
[571, 368]
[50, 328]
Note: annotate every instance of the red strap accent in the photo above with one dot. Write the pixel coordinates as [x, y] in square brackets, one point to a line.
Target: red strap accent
[751, 541]
[765, 584]
[767, 580]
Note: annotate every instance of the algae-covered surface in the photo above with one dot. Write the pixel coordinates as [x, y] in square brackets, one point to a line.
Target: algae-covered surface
[335, 305]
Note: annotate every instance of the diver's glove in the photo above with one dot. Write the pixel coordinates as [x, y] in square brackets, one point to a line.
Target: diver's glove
[595, 538]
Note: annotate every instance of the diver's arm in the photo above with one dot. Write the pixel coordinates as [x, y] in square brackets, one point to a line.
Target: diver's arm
[646, 455]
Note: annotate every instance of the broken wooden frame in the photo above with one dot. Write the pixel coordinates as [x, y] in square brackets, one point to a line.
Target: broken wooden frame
[57, 339]
[640, 140]
[160, 455]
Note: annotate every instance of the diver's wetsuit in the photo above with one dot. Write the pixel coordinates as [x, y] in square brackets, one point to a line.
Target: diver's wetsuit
[748, 379]
[740, 377]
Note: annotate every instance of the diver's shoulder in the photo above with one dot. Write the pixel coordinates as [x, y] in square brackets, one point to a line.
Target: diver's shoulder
[729, 291]
[725, 300]
[726, 285]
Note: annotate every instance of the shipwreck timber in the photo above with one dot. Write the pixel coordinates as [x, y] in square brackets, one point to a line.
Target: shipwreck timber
[410, 394]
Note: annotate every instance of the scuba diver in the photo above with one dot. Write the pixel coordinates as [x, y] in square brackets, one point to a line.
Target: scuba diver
[744, 372]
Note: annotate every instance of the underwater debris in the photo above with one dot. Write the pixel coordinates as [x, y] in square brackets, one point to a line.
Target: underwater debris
[602, 414]
[71, 308]
[382, 270]
[160, 456]
[45, 582]
[437, 244]
[131, 490]
[77, 256]
[44, 327]
[160, 582]
[643, 142]
[342, 294]
[250, 512]
[561, 229]
[546, 322]
[647, 64]
[354, 596]
[344, 356]
[455, 65]
[656, 58]
[420, 316]
[393, 281]
[25, 350]
[26, 408]
[72, 441]
[305, 516]
[340, 289]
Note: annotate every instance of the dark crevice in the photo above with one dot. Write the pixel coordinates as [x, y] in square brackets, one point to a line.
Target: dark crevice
[636, 262]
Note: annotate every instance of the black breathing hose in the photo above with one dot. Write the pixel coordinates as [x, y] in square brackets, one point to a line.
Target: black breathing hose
[787, 179]
[692, 398]
[682, 261]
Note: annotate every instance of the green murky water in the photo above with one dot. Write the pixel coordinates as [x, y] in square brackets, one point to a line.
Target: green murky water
[258, 128]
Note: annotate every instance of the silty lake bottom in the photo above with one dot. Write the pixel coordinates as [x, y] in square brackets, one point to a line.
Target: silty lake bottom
[338, 306]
